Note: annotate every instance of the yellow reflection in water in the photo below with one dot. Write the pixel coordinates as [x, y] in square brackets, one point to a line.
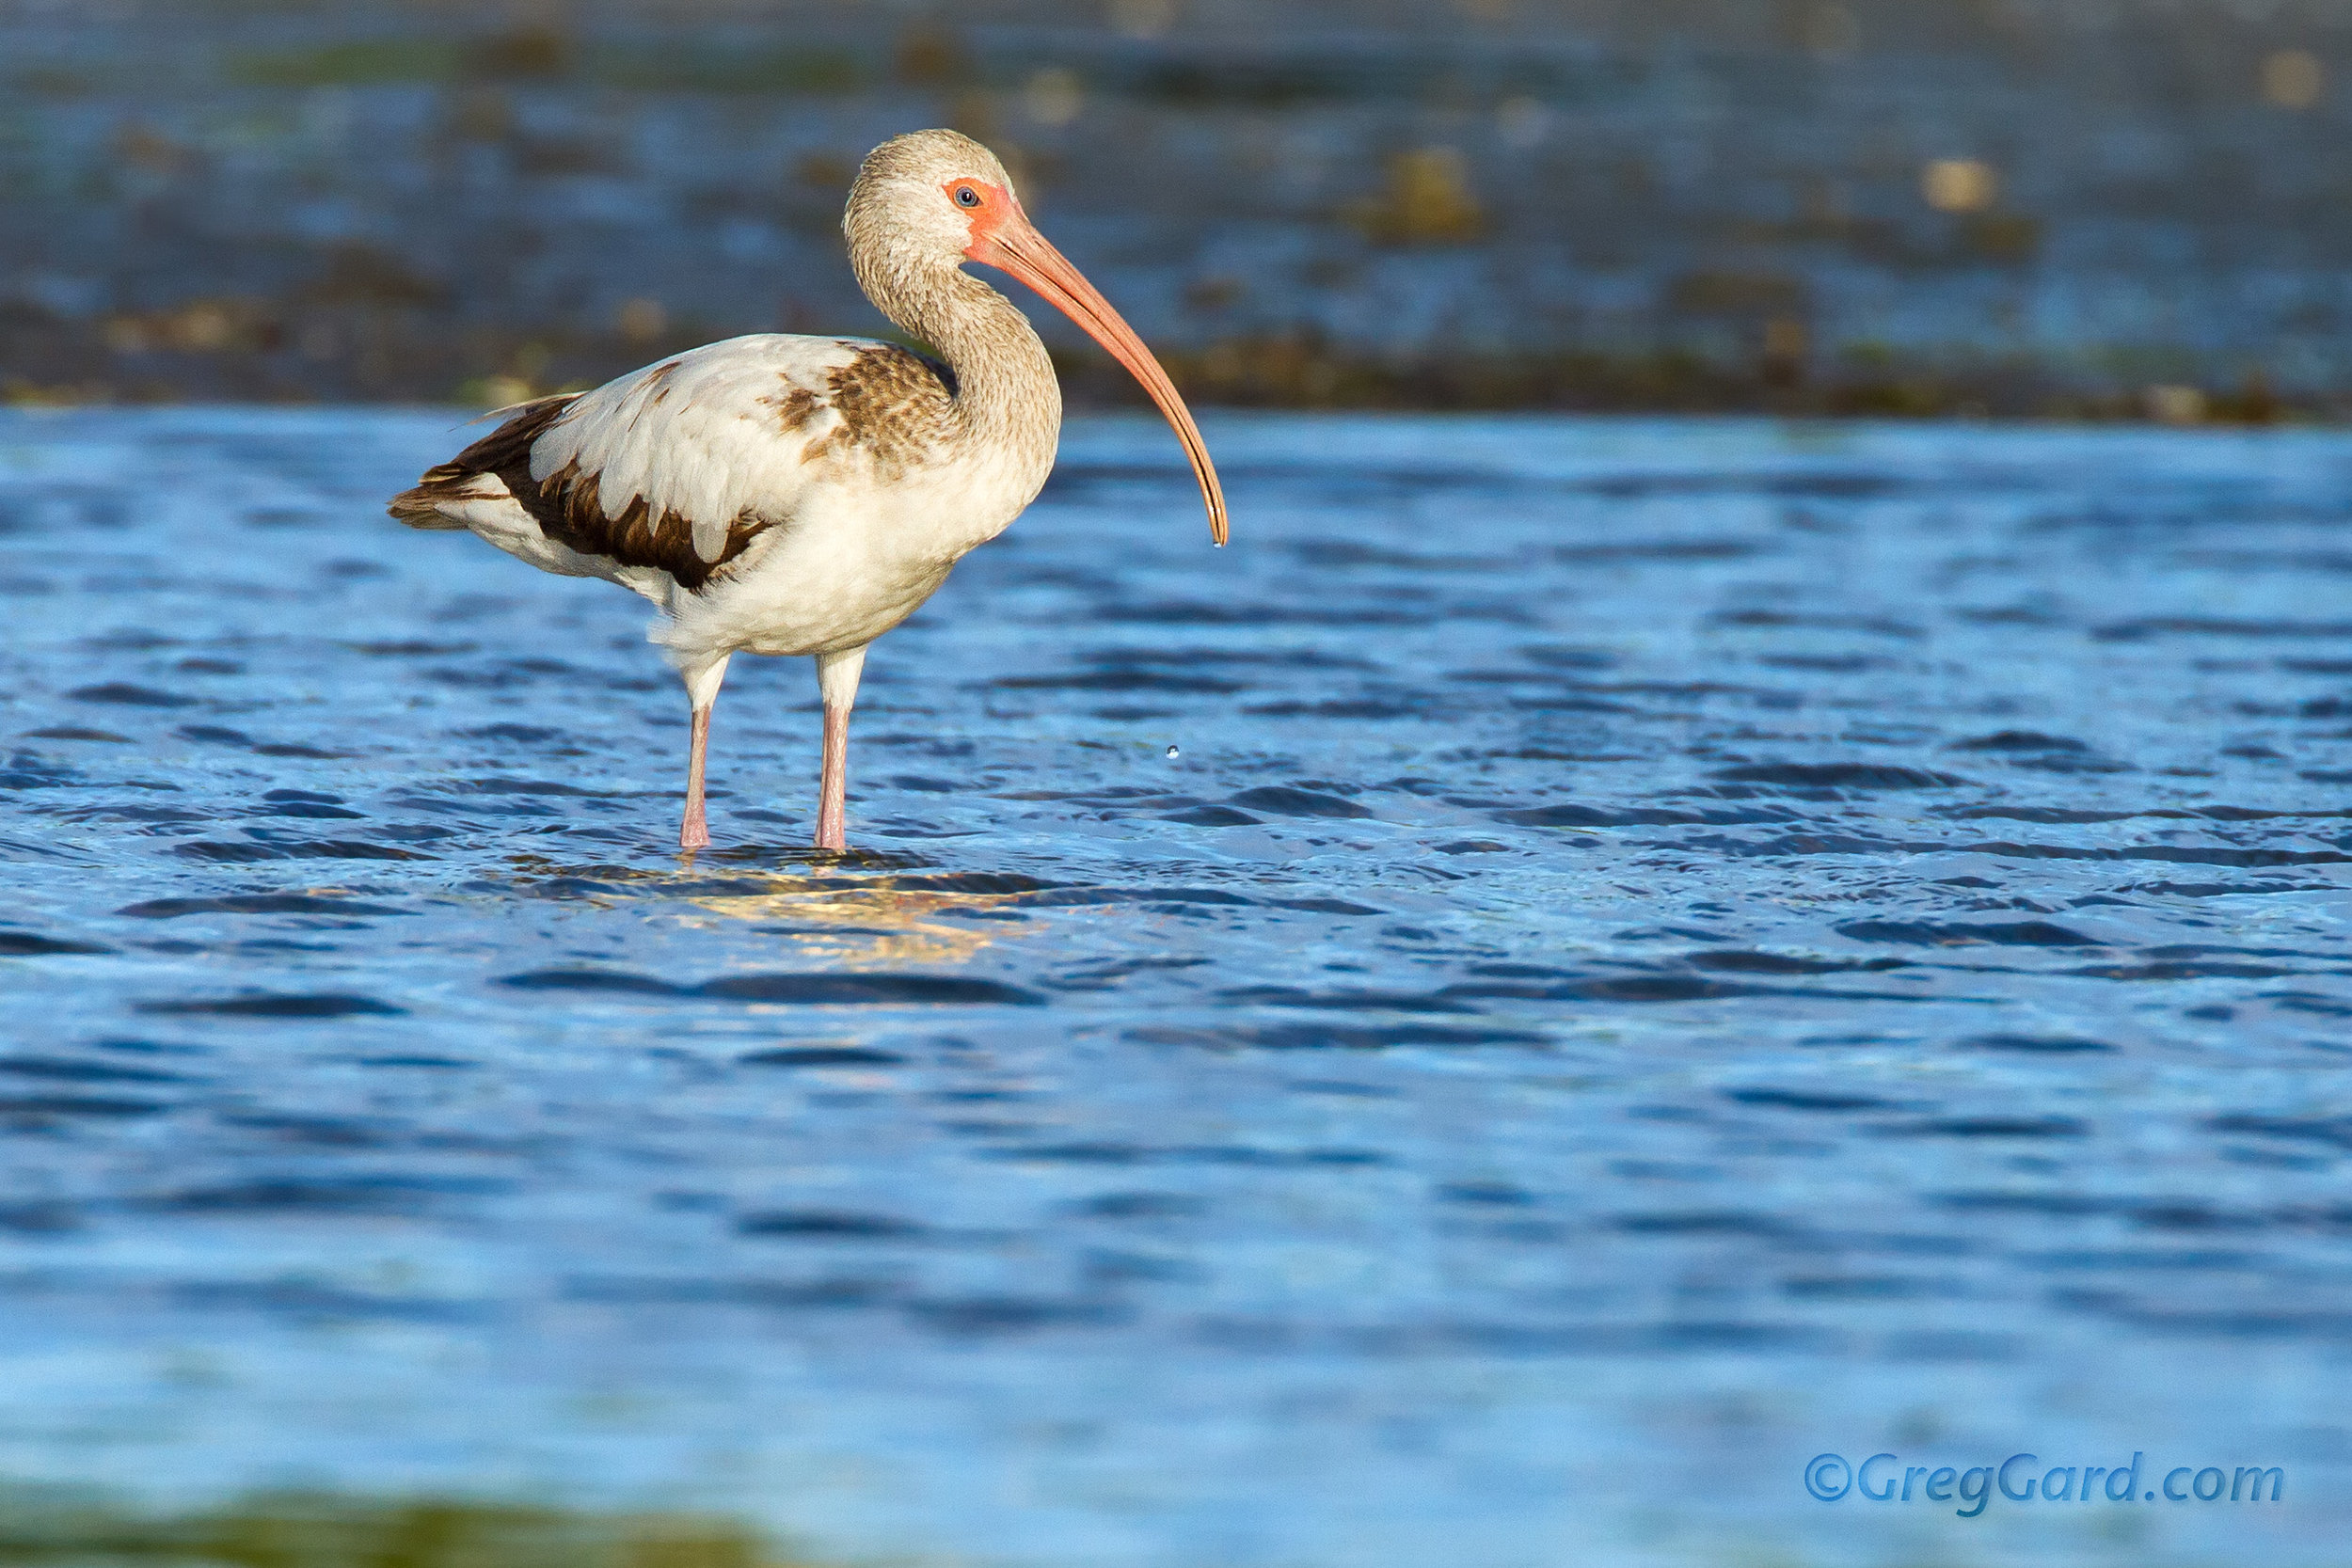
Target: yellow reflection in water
[844, 921]
[868, 927]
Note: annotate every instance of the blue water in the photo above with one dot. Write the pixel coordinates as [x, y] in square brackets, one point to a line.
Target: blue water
[1664, 949]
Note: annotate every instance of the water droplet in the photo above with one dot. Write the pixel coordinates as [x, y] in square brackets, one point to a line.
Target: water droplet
[1172, 753]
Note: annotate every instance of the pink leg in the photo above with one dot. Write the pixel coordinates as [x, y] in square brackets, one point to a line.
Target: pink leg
[832, 795]
[695, 832]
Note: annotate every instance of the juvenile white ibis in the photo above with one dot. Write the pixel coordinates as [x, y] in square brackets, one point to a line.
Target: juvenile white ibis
[786, 494]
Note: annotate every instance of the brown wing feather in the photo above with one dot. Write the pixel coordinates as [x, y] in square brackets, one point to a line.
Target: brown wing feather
[896, 409]
[565, 505]
[896, 404]
[568, 510]
[510, 443]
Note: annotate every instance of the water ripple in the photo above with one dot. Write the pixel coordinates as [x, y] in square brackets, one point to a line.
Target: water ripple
[1571, 947]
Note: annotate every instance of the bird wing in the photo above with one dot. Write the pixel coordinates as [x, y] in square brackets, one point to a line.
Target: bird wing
[681, 466]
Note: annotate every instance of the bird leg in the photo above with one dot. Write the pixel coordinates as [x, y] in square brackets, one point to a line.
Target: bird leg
[836, 680]
[832, 796]
[695, 831]
[702, 690]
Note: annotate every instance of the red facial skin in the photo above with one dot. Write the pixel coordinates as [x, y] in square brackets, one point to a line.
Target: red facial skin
[996, 205]
[1003, 237]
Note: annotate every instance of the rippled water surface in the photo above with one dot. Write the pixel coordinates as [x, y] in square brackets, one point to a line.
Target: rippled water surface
[1662, 950]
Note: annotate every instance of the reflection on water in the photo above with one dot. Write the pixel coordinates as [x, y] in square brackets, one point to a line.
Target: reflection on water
[1661, 950]
[838, 921]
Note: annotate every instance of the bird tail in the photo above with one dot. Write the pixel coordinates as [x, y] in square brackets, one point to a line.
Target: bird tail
[421, 506]
[454, 481]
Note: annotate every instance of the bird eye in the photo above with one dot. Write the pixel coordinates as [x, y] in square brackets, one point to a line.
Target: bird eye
[967, 197]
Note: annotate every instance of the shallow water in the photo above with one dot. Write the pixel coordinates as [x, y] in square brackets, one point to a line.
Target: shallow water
[1665, 949]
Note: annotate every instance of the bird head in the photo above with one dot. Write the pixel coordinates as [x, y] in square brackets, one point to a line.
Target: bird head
[939, 198]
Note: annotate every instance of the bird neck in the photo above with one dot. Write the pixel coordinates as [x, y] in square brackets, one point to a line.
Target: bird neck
[1005, 392]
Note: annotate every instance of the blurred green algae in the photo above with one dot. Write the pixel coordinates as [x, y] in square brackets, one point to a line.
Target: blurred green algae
[55, 1527]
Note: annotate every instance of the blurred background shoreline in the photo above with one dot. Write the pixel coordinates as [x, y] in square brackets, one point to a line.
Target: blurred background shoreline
[2072, 209]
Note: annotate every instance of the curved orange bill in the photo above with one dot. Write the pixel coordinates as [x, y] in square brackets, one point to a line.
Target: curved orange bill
[1016, 246]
